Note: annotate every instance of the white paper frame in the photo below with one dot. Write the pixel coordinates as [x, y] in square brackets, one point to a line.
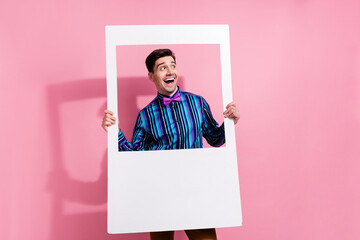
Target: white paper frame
[171, 189]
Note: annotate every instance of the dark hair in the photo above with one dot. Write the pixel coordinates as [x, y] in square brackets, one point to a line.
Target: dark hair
[155, 55]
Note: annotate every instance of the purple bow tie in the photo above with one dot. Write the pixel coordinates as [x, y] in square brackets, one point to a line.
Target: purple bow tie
[167, 101]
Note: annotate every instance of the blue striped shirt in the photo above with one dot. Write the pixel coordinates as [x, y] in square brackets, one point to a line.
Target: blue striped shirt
[180, 125]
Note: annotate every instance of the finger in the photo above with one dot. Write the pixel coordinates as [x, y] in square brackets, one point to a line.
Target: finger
[235, 117]
[230, 115]
[231, 104]
[108, 112]
[233, 114]
[227, 113]
[107, 116]
[229, 110]
[108, 123]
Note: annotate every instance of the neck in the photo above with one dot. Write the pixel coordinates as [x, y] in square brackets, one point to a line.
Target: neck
[174, 91]
[172, 94]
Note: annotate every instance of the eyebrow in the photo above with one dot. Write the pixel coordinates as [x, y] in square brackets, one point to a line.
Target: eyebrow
[164, 63]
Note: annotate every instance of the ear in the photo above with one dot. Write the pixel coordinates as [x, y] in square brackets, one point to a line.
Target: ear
[150, 75]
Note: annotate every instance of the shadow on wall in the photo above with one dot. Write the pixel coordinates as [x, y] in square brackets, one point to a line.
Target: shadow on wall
[92, 225]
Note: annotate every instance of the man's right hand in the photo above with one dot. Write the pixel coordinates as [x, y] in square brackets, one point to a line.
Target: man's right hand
[108, 119]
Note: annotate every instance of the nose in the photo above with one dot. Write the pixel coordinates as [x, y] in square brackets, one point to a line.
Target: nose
[169, 71]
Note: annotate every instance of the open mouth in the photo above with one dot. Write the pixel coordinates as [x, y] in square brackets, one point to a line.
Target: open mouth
[169, 80]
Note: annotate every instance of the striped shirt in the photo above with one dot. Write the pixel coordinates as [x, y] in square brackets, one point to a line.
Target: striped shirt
[180, 125]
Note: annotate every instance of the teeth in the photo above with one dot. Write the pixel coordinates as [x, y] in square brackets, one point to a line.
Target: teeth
[169, 79]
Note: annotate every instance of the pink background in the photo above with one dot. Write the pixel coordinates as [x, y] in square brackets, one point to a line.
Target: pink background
[296, 74]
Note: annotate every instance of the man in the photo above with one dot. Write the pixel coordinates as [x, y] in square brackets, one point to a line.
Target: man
[173, 120]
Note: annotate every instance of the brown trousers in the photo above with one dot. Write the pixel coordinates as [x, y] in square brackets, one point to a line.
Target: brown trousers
[196, 234]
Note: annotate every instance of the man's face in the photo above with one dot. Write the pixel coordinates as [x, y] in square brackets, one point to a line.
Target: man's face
[165, 76]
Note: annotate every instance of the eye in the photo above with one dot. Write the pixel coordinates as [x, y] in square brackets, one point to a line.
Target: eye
[173, 66]
[163, 68]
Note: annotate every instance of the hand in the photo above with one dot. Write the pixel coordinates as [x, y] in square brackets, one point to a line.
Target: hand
[108, 119]
[232, 112]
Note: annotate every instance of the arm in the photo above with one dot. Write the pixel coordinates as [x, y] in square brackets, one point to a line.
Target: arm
[139, 139]
[213, 133]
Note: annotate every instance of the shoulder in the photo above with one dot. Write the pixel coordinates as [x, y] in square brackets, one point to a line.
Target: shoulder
[195, 100]
[192, 96]
[153, 104]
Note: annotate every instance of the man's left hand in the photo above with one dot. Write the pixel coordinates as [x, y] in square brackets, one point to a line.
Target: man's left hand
[232, 112]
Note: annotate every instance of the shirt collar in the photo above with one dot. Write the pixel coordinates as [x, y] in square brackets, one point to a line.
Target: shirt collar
[164, 96]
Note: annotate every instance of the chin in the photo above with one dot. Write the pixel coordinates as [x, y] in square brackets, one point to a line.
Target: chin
[173, 90]
[170, 90]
